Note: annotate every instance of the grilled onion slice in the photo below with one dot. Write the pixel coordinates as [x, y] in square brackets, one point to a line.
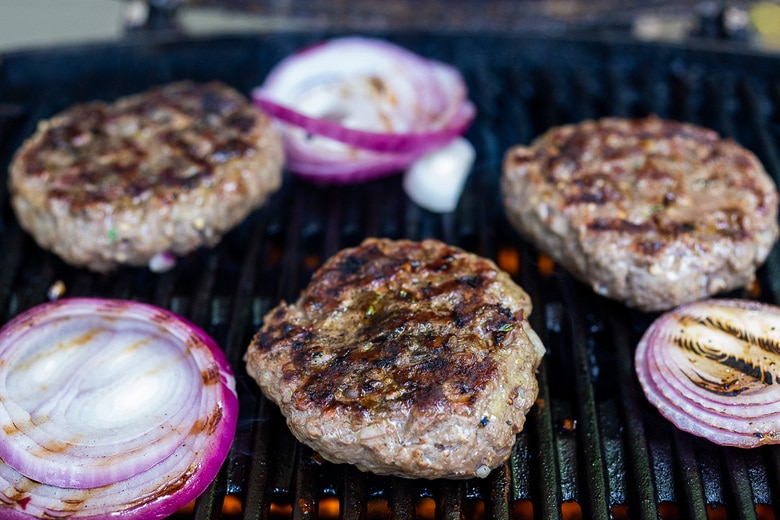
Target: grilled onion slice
[711, 368]
[355, 108]
[109, 408]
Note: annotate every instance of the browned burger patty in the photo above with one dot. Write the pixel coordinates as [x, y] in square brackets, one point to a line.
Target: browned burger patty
[167, 170]
[408, 358]
[649, 212]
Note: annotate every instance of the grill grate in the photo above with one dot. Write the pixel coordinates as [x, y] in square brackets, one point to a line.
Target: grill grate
[593, 447]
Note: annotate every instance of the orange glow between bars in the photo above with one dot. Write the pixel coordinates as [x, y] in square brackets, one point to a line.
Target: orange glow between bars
[716, 512]
[187, 509]
[509, 260]
[329, 507]
[377, 508]
[283, 510]
[311, 262]
[620, 512]
[426, 509]
[571, 510]
[546, 265]
[523, 510]
[231, 506]
[668, 511]
[765, 512]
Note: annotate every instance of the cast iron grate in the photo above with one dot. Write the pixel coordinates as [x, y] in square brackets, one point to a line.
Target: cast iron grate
[592, 448]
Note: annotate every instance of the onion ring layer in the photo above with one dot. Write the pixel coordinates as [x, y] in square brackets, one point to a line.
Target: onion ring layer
[711, 368]
[357, 108]
[109, 407]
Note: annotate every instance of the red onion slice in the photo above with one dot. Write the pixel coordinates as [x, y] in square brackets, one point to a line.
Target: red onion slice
[356, 108]
[711, 368]
[110, 407]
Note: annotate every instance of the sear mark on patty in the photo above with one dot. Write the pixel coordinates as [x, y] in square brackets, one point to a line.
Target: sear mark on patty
[167, 170]
[167, 139]
[404, 323]
[650, 212]
[407, 358]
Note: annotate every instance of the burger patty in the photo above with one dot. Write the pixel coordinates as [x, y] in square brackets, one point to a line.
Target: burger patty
[407, 358]
[650, 212]
[167, 170]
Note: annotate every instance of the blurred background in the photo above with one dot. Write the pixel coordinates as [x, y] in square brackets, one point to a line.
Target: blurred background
[44, 22]
[36, 23]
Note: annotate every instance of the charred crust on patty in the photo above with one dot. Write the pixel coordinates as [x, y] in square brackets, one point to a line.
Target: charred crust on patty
[651, 212]
[165, 159]
[212, 128]
[415, 336]
[378, 362]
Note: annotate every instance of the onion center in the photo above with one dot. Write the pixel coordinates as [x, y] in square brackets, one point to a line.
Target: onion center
[81, 397]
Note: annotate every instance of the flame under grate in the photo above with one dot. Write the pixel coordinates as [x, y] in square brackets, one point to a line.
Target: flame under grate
[592, 447]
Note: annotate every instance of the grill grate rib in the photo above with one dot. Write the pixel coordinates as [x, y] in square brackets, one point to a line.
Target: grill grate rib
[592, 446]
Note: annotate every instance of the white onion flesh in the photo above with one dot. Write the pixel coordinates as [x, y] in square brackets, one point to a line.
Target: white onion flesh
[713, 369]
[355, 108]
[436, 180]
[162, 262]
[109, 407]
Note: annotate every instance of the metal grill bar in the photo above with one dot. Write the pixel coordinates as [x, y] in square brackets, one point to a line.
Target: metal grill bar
[643, 487]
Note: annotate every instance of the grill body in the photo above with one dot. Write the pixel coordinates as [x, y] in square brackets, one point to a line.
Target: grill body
[592, 447]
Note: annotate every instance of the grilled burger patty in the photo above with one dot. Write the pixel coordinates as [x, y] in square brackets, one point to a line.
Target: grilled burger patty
[650, 212]
[408, 358]
[166, 170]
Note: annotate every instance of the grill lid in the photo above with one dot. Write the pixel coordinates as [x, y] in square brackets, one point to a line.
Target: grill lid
[711, 19]
[592, 447]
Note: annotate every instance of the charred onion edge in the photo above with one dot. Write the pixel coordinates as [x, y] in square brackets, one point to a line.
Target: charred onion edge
[744, 421]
